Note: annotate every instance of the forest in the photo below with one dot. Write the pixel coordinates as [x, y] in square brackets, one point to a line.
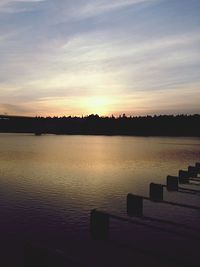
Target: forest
[157, 125]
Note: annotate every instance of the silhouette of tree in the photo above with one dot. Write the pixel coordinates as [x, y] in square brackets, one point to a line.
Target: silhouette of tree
[157, 125]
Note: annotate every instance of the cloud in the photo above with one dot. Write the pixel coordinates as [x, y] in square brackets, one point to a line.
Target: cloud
[97, 7]
[59, 53]
[4, 3]
[17, 6]
[13, 109]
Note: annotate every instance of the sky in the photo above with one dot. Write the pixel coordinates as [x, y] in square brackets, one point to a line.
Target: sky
[81, 57]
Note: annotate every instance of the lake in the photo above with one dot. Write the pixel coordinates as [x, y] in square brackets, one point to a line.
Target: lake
[49, 184]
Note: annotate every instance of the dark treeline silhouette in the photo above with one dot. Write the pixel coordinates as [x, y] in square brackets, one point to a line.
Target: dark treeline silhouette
[162, 125]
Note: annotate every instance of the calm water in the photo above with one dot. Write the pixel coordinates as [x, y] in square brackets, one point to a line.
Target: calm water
[49, 184]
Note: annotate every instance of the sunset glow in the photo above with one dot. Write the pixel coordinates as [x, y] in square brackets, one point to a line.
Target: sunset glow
[108, 57]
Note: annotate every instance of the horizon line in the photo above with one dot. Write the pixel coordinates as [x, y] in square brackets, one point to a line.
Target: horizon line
[100, 116]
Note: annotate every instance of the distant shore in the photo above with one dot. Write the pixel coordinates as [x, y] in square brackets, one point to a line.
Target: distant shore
[163, 125]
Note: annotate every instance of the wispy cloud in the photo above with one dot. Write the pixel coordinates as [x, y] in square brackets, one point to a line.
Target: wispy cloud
[17, 6]
[96, 7]
[66, 54]
[4, 3]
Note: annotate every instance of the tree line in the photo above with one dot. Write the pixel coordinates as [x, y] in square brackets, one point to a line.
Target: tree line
[157, 125]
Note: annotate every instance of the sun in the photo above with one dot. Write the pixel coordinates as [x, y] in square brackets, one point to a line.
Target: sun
[98, 105]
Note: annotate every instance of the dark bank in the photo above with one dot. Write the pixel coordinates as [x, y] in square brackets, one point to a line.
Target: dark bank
[163, 125]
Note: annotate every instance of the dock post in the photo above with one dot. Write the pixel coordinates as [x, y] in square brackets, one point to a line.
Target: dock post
[156, 192]
[134, 205]
[172, 183]
[197, 165]
[183, 177]
[192, 171]
[99, 225]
